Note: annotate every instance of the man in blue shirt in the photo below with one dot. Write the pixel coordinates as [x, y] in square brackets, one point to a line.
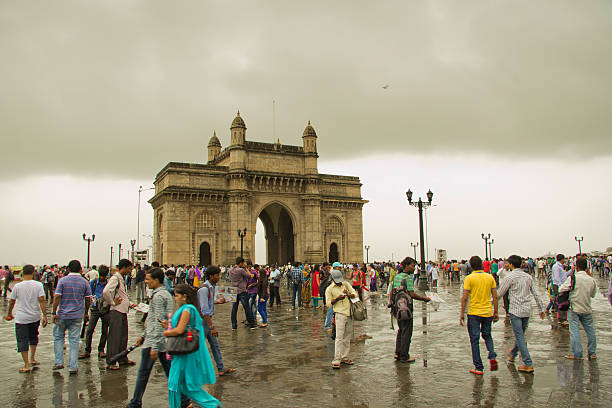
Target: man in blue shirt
[70, 306]
[206, 301]
[559, 275]
[97, 286]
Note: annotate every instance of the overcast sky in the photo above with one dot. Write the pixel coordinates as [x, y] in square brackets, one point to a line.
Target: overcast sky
[500, 107]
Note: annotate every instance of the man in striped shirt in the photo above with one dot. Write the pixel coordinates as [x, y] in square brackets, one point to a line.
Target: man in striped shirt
[519, 285]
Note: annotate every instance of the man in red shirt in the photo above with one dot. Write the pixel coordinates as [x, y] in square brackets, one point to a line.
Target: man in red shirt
[486, 266]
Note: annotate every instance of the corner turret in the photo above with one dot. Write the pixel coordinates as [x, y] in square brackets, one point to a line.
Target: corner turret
[214, 147]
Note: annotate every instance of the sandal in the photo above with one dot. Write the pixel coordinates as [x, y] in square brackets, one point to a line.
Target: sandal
[34, 363]
[347, 362]
[336, 366]
[58, 367]
[25, 370]
[113, 367]
[227, 371]
[101, 355]
[571, 357]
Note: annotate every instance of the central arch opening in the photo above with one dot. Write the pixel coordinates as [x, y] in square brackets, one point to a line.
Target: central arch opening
[205, 255]
[279, 237]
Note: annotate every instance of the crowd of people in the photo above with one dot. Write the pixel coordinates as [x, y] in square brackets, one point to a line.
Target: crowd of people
[181, 302]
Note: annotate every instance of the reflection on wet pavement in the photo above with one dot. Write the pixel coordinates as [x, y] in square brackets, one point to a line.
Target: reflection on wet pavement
[288, 365]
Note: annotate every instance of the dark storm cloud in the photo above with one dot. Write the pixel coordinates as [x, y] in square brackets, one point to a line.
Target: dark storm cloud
[122, 87]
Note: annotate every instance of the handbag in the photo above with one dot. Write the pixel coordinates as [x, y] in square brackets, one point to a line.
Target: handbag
[563, 299]
[185, 343]
[358, 311]
[101, 304]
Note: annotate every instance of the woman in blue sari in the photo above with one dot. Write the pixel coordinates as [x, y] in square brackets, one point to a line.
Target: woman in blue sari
[189, 372]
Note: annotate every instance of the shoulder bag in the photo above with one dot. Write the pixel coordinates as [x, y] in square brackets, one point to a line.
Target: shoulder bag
[563, 299]
[358, 310]
[101, 304]
[185, 343]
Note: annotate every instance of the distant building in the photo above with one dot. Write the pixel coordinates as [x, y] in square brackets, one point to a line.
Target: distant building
[308, 216]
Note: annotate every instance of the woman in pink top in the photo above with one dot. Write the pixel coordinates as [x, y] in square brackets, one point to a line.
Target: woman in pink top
[316, 283]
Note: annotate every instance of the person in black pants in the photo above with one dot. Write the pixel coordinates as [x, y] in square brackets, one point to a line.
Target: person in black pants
[97, 287]
[275, 278]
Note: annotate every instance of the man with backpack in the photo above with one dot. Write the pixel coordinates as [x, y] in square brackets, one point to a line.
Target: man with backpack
[97, 311]
[400, 301]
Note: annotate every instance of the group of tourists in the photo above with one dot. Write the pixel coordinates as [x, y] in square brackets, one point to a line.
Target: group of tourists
[182, 302]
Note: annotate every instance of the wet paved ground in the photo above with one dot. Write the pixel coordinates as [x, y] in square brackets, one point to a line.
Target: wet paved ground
[288, 365]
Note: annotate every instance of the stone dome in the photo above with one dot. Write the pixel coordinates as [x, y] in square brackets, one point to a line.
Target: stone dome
[238, 122]
[214, 141]
[309, 131]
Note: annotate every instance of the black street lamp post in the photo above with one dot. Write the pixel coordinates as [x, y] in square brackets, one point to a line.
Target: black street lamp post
[414, 246]
[420, 205]
[491, 242]
[242, 234]
[579, 240]
[367, 248]
[132, 243]
[111, 259]
[486, 240]
[119, 258]
[423, 286]
[89, 241]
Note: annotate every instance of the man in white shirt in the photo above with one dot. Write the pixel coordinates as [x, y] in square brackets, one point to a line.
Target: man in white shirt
[30, 298]
[582, 288]
[92, 274]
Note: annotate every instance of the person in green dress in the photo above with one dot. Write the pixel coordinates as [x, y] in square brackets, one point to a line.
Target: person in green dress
[189, 371]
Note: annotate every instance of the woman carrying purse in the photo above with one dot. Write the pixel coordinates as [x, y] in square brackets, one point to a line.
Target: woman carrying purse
[189, 372]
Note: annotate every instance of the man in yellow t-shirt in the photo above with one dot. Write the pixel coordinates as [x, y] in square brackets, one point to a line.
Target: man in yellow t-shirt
[479, 286]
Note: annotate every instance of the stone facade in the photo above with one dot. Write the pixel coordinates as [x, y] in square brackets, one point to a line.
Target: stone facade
[308, 216]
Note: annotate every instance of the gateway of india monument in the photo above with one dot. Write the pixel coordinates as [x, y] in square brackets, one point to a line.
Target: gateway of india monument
[199, 209]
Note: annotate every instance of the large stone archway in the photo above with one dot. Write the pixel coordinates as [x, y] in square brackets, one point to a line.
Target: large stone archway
[302, 211]
[279, 230]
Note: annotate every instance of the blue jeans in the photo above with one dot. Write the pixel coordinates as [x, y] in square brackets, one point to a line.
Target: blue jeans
[519, 326]
[296, 289]
[328, 318]
[213, 342]
[253, 304]
[477, 325]
[242, 298]
[262, 308]
[586, 319]
[59, 332]
[144, 371]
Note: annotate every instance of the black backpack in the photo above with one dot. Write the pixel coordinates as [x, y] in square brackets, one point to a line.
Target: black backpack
[401, 303]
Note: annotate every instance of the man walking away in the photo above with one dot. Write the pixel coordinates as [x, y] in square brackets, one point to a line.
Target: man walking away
[582, 288]
[30, 298]
[115, 294]
[337, 295]
[519, 285]
[70, 306]
[48, 280]
[206, 302]
[479, 287]
[238, 279]
[297, 280]
[139, 281]
[97, 287]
